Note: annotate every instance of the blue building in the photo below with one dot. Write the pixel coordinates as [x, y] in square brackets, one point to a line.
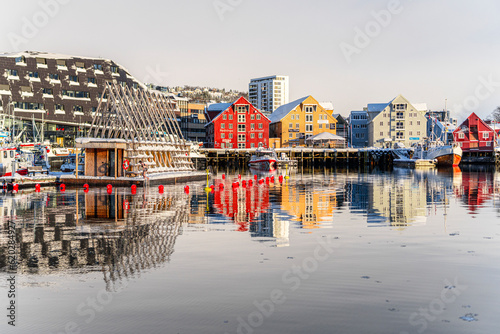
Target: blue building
[358, 128]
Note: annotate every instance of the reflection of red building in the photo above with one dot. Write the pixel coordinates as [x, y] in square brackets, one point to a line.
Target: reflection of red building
[242, 204]
[476, 188]
[474, 135]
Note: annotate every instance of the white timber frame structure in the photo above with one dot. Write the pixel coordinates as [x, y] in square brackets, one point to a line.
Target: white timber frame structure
[143, 124]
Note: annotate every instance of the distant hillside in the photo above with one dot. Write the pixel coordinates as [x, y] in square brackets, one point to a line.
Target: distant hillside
[199, 94]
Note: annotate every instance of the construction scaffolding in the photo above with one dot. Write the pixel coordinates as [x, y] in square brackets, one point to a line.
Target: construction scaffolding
[144, 124]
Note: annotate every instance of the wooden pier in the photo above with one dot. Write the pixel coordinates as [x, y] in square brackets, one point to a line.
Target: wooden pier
[306, 156]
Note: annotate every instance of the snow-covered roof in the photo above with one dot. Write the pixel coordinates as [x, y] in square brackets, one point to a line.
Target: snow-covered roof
[218, 106]
[84, 140]
[283, 110]
[327, 105]
[420, 106]
[325, 136]
[40, 54]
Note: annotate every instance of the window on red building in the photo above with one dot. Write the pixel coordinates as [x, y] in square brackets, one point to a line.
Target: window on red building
[241, 108]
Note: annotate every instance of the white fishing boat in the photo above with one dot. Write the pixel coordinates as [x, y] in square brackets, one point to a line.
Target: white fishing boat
[264, 160]
[445, 155]
[11, 160]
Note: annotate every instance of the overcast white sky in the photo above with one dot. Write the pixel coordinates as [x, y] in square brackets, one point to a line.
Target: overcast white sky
[426, 50]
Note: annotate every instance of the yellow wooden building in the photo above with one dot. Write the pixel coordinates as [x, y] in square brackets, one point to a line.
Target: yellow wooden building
[296, 121]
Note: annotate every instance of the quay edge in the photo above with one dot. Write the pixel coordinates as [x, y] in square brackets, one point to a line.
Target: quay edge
[167, 178]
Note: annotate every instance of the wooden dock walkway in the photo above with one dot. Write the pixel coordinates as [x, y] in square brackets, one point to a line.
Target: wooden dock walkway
[305, 156]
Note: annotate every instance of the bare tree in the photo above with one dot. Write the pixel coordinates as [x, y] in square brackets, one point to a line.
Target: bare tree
[495, 115]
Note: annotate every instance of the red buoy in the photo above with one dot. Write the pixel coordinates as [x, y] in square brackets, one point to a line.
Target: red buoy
[223, 176]
[15, 187]
[186, 189]
[244, 183]
[221, 186]
[239, 176]
[37, 187]
[160, 189]
[133, 188]
[62, 187]
[255, 177]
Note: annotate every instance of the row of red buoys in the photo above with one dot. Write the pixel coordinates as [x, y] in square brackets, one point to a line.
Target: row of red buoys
[161, 188]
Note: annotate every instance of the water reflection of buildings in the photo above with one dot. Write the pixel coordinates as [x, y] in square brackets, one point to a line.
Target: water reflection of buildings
[117, 234]
[476, 186]
[309, 202]
[397, 199]
[401, 200]
[249, 208]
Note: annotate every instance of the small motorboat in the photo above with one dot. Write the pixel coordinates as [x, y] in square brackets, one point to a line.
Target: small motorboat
[264, 160]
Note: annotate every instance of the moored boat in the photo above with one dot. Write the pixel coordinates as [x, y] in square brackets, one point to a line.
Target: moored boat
[9, 158]
[445, 155]
[265, 160]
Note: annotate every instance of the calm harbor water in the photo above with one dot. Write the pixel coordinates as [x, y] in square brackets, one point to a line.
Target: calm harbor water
[404, 251]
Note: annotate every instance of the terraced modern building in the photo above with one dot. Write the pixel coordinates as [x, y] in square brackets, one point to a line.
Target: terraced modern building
[56, 92]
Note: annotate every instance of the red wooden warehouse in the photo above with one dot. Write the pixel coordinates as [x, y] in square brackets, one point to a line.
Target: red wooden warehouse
[236, 125]
[474, 135]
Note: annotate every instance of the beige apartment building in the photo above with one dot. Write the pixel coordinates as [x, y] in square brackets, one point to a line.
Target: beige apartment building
[398, 121]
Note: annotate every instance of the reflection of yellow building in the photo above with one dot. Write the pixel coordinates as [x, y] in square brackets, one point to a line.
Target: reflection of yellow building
[300, 119]
[308, 206]
[401, 201]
